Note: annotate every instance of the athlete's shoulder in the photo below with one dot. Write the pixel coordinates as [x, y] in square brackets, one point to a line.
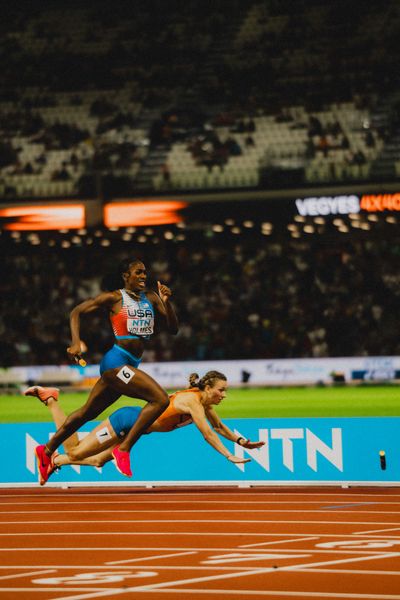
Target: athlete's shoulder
[108, 298]
[190, 394]
[114, 295]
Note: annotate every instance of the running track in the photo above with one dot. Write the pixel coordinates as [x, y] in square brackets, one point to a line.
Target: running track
[269, 543]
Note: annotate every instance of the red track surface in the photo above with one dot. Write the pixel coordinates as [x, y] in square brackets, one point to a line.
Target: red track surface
[200, 543]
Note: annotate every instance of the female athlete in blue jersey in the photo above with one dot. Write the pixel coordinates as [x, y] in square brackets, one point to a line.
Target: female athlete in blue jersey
[133, 311]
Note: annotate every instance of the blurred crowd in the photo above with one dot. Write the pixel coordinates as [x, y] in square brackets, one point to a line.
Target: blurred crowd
[237, 298]
[173, 57]
[175, 72]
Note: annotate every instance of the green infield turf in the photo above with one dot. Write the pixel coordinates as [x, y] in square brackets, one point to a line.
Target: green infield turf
[366, 400]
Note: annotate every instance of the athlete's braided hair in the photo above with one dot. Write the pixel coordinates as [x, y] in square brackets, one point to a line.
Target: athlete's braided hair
[209, 379]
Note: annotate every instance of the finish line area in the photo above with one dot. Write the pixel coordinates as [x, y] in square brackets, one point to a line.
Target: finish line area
[260, 542]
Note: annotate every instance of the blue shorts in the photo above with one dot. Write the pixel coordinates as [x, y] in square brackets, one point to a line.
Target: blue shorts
[123, 419]
[118, 357]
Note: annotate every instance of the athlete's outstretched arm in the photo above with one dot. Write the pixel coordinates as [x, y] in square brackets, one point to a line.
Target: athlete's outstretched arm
[199, 419]
[227, 433]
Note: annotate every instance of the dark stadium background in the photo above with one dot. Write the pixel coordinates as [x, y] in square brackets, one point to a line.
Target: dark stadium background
[236, 109]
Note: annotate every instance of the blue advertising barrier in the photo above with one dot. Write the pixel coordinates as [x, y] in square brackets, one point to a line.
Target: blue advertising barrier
[296, 451]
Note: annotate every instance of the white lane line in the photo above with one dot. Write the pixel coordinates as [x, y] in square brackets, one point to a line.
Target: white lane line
[301, 539]
[224, 511]
[378, 530]
[341, 561]
[151, 568]
[15, 575]
[276, 593]
[109, 592]
[199, 495]
[195, 549]
[170, 521]
[208, 591]
[30, 590]
[141, 559]
[335, 550]
[198, 501]
[351, 572]
[219, 568]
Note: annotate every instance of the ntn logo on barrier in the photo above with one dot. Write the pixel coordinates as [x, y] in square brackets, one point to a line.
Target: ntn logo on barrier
[278, 440]
[313, 446]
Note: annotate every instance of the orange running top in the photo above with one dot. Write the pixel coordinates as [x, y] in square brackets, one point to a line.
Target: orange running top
[171, 418]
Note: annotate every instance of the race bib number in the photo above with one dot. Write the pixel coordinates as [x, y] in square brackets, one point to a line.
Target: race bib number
[125, 374]
[103, 435]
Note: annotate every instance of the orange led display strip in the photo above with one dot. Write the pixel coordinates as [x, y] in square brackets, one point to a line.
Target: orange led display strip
[151, 212]
[41, 218]
[380, 202]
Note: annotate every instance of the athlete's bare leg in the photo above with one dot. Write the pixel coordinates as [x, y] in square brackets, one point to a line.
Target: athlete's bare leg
[126, 381]
[100, 398]
[100, 438]
[144, 387]
[59, 417]
[94, 449]
[97, 460]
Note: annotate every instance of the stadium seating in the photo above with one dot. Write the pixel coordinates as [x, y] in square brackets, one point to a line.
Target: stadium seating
[276, 63]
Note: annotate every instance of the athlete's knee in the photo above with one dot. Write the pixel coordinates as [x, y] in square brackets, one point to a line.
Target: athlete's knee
[77, 452]
[162, 400]
[85, 413]
[108, 377]
[77, 418]
[73, 453]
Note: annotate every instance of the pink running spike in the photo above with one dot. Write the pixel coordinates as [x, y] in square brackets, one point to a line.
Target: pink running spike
[44, 464]
[122, 461]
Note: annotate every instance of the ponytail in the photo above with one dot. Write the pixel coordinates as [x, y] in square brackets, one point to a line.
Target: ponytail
[193, 380]
[209, 379]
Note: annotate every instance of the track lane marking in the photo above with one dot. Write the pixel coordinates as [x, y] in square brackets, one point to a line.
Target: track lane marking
[170, 501]
[272, 511]
[171, 585]
[378, 530]
[166, 520]
[301, 539]
[190, 495]
[15, 575]
[141, 559]
[147, 501]
[107, 592]
[340, 506]
[351, 571]
[213, 568]
[158, 548]
[110, 592]
[258, 593]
